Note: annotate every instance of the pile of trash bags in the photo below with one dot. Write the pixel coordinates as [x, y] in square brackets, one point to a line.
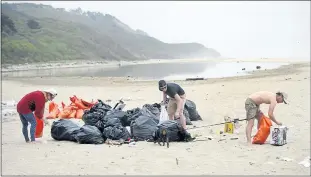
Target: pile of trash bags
[102, 122]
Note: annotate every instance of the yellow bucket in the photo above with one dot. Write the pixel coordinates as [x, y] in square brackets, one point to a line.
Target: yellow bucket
[229, 126]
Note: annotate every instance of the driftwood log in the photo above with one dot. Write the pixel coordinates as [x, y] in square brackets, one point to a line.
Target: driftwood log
[194, 79]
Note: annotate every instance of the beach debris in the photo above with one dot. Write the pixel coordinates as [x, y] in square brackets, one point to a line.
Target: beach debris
[286, 159]
[258, 67]
[227, 119]
[204, 138]
[9, 103]
[114, 142]
[194, 79]
[251, 163]
[8, 108]
[176, 161]
[210, 138]
[221, 139]
[234, 138]
[243, 69]
[305, 162]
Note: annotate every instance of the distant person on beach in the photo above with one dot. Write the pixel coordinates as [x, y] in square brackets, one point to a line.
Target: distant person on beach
[252, 104]
[176, 102]
[33, 102]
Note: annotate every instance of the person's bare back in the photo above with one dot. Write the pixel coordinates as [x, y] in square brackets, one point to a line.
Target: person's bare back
[263, 97]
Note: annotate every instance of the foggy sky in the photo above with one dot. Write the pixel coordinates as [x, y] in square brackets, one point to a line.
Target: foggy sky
[258, 29]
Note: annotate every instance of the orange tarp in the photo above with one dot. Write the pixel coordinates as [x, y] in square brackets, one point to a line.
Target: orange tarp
[74, 110]
[39, 128]
[264, 130]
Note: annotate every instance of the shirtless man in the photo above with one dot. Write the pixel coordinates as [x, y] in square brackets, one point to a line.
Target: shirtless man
[252, 104]
[176, 102]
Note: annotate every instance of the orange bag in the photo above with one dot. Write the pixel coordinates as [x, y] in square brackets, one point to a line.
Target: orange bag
[65, 113]
[88, 104]
[53, 111]
[73, 113]
[79, 113]
[264, 130]
[77, 102]
[39, 128]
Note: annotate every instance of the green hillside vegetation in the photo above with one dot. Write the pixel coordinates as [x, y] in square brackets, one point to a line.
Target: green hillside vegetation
[41, 33]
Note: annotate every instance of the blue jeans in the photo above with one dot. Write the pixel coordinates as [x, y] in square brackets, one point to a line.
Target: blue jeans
[25, 118]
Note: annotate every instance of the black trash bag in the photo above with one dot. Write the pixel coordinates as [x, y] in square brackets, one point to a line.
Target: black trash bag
[91, 118]
[89, 135]
[146, 112]
[113, 122]
[101, 106]
[143, 128]
[115, 114]
[116, 133]
[106, 122]
[112, 118]
[131, 115]
[186, 114]
[64, 130]
[153, 109]
[135, 113]
[100, 125]
[174, 131]
[193, 113]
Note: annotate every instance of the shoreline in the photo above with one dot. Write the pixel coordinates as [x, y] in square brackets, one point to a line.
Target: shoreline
[109, 64]
[281, 70]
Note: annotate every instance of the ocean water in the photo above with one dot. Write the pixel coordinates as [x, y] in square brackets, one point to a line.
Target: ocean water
[168, 71]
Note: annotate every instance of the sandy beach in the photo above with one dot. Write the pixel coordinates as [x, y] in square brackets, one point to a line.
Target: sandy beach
[215, 98]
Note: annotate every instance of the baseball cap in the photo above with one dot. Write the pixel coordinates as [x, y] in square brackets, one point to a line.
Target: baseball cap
[51, 91]
[284, 96]
[162, 85]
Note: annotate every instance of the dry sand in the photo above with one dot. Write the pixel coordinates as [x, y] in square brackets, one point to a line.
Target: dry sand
[215, 99]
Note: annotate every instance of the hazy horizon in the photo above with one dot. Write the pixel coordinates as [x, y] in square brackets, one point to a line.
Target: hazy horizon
[258, 29]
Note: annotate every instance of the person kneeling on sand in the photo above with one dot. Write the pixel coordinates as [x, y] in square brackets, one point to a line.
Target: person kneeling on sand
[33, 102]
[176, 102]
[252, 104]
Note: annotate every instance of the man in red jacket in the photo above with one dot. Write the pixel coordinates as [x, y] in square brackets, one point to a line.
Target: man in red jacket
[33, 102]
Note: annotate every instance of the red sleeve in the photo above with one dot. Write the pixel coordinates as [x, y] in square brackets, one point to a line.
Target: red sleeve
[40, 104]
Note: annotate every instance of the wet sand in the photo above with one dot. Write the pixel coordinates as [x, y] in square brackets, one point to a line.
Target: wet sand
[109, 64]
[215, 98]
